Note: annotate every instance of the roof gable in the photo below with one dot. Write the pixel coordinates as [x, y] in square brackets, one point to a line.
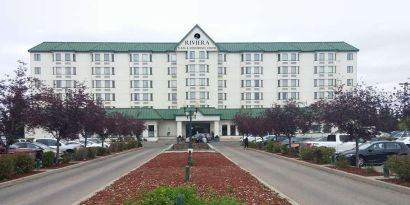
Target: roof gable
[197, 38]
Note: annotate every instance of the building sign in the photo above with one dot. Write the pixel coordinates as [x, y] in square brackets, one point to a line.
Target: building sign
[196, 40]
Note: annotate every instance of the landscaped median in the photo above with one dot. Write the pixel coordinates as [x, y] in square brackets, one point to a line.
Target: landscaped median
[15, 168]
[321, 158]
[214, 180]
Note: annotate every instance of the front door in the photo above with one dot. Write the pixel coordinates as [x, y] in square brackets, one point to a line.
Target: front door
[198, 128]
[151, 130]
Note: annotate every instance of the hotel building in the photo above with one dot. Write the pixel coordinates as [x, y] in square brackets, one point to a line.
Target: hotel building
[152, 81]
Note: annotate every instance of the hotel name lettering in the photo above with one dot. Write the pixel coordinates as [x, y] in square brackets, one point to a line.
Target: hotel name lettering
[196, 44]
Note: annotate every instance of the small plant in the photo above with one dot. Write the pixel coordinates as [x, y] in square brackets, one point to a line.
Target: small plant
[48, 159]
[24, 163]
[399, 165]
[91, 152]
[102, 151]
[323, 155]
[7, 165]
[80, 154]
[342, 162]
[307, 153]
[67, 157]
[130, 144]
[284, 150]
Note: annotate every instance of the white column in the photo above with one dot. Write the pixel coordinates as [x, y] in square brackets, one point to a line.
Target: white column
[179, 128]
[216, 128]
[228, 129]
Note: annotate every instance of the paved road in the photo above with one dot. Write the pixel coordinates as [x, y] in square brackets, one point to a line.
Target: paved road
[307, 185]
[69, 186]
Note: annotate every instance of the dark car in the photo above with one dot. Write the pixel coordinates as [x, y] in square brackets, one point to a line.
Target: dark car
[375, 152]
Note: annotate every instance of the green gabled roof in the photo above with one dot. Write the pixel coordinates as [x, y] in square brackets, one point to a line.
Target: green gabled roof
[170, 114]
[170, 47]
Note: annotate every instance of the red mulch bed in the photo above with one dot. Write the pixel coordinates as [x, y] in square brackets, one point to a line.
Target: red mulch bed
[16, 176]
[211, 173]
[397, 181]
[358, 171]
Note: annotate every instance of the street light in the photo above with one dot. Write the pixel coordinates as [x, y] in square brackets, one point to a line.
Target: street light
[190, 113]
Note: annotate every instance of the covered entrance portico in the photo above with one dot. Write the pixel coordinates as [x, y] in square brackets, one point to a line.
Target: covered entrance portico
[200, 124]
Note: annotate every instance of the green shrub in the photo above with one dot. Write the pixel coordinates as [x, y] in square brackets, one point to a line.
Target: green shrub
[67, 157]
[399, 165]
[102, 151]
[342, 162]
[130, 144]
[284, 149]
[48, 159]
[7, 164]
[323, 155]
[270, 146]
[80, 154]
[139, 144]
[91, 152]
[307, 153]
[24, 163]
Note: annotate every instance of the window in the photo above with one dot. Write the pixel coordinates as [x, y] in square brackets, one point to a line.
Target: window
[330, 95]
[294, 83]
[248, 57]
[202, 68]
[319, 95]
[172, 96]
[67, 71]
[221, 57]
[392, 146]
[256, 70]
[221, 96]
[202, 95]
[293, 57]
[284, 56]
[145, 58]
[37, 70]
[349, 56]
[349, 69]
[67, 57]
[68, 84]
[146, 71]
[331, 82]
[331, 69]
[248, 70]
[172, 57]
[191, 54]
[222, 70]
[192, 95]
[145, 84]
[330, 57]
[106, 57]
[256, 83]
[107, 71]
[248, 83]
[294, 70]
[97, 57]
[172, 71]
[37, 57]
[294, 95]
[220, 83]
[172, 83]
[135, 57]
[98, 83]
[192, 81]
[58, 56]
[97, 71]
[107, 83]
[202, 55]
[135, 84]
[59, 71]
[321, 56]
[256, 57]
[349, 82]
[145, 96]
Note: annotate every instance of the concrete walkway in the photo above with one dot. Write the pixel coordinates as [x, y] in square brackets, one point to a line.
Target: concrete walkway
[74, 184]
[307, 185]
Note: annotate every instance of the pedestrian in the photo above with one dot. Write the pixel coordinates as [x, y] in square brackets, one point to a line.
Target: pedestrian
[245, 143]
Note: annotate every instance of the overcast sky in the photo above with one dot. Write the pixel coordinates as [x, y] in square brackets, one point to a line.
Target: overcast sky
[380, 29]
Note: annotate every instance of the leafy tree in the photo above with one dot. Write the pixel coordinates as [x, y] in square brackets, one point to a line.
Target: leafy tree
[403, 107]
[244, 122]
[361, 112]
[91, 118]
[15, 102]
[59, 115]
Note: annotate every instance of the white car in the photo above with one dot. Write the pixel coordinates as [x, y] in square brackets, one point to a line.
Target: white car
[52, 142]
[405, 140]
[252, 139]
[341, 142]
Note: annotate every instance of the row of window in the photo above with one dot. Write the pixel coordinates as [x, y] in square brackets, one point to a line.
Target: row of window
[197, 81]
[321, 82]
[141, 83]
[252, 96]
[197, 68]
[64, 71]
[288, 95]
[104, 96]
[147, 57]
[252, 70]
[141, 97]
[103, 84]
[324, 95]
[140, 70]
[251, 83]
[202, 95]
[103, 71]
[288, 83]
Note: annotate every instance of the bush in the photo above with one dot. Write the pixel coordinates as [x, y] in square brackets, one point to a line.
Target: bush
[7, 164]
[91, 152]
[307, 153]
[131, 144]
[48, 159]
[80, 154]
[284, 149]
[24, 163]
[399, 165]
[102, 151]
[67, 157]
[342, 162]
[323, 155]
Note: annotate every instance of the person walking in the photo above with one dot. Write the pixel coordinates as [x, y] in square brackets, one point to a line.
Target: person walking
[245, 143]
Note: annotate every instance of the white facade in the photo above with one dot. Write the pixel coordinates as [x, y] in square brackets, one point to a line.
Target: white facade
[197, 72]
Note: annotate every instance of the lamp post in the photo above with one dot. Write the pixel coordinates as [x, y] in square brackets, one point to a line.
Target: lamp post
[189, 113]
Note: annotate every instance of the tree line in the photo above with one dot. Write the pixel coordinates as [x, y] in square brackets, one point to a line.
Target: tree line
[25, 105]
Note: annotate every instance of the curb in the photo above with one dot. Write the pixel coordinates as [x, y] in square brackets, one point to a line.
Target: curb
[355, 177]
[54, 171]
[109, 183]
[280, 194]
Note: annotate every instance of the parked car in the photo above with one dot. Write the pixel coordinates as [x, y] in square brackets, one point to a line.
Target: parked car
[340, 142]
[64, 147]
[296, 141]
[37, 147]
[99, 141]
[398, 134]
[405, 140]
[375, 152]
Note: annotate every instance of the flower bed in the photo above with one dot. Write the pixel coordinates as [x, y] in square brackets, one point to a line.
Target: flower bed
[212, 174]
[196, 146]
[358, 171]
